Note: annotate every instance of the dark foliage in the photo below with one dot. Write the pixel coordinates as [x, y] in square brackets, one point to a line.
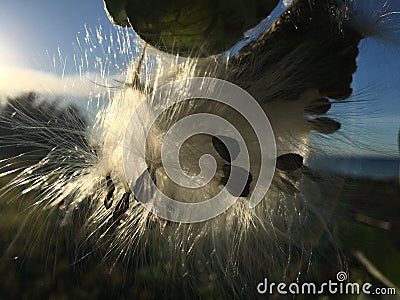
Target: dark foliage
[31, 125]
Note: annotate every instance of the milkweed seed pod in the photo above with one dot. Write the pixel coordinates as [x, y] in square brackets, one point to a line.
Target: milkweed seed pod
[297, 70]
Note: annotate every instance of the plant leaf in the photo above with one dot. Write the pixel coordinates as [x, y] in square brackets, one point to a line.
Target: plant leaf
[203, 27]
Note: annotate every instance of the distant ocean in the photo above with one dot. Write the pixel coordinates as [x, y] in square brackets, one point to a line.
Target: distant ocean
[374, 167]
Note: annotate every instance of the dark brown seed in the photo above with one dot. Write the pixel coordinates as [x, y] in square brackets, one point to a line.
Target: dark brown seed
[339, 93]
[289, 162]
[318, 107]
[325, 125]
[222, 149]
[239, 173]
[110, 191]
[122, 207]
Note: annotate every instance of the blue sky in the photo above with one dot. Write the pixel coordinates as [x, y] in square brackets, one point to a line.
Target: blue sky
[30, 28]
[33, 33]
